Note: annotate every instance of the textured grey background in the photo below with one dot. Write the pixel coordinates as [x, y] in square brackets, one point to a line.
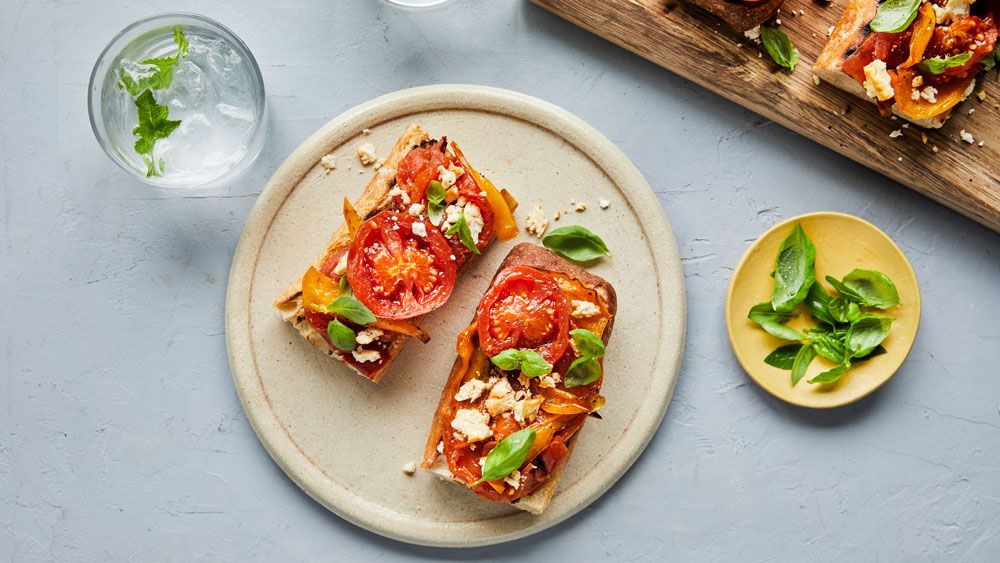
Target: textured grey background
[121, 436]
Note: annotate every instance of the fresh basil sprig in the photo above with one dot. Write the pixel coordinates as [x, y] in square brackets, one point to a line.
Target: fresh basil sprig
[894, 16]
[348, 307]
[435, 202]
[937, 65]
[341, 335]
[464, 234]
[783, 357]
[779, 47]
[817, 301]
[832, 375]
[154, 123]
[508, 456]
[529, 362]
[866, 333]
[794, 270]
[586, 368]
[801, 362]
[868, 288]
[576, 243]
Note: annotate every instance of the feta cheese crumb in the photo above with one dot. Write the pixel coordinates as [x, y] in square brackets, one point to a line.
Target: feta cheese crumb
[446, 177]
[981, 143]
[364, 356]
[410, 468]
[403, 196]
[514, 479]
[952, 10]
[967, 137]
[440, 447]
[753, 34]
[470, 390]
[329, 162]
[416, 209]
[473, 424]
[896, 133]
[934, 148]
[419, 228]
[474, 218]
[501, 398]
[583, 309]
[368, 335]
[341, 267]
[878, 84]
[580, 207]
[604, 203]
[526, 409]
[972, 110]
[536, 223]
[981, 95]
[366, 154]
[929, 93]
[829, 31]
[816, 80]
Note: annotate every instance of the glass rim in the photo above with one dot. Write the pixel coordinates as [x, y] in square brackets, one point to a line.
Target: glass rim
[94, 101]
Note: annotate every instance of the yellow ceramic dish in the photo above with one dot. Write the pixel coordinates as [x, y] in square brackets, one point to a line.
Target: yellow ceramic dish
[843, 243]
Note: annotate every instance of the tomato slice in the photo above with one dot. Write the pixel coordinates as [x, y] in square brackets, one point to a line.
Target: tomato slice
[524, 309]
[468, 189]
[966, 35]
[418, 168]
[396, 273]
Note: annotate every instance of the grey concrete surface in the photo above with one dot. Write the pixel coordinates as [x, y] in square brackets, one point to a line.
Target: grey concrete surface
[121, 436]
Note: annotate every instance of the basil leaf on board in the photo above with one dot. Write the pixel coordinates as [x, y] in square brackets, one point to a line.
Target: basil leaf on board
[801, 363]
[828, 346]
[817, 301]
[783, 357]
[866, 333]
[583, 371]
[529, 362]
[763, 312]
[843, 310]
[794, 270]
[508, 456]
[779, 47]
[937, 65]
[894, 16]
[873, 289]
[587, 343]
[831, 376]
[341, 335]
[435, 202]
[576, 243]
[348, 307]
[464, 234]
[782, 331]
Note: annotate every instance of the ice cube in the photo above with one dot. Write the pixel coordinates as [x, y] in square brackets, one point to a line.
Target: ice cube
[188, 87]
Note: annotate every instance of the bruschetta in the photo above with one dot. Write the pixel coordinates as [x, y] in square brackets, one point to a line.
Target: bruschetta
[528, 375]
[423, 216]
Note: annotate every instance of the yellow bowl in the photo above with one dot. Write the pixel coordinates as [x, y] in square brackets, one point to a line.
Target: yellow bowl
[843, 243]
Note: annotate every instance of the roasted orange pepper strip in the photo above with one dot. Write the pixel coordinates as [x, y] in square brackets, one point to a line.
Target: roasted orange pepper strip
[503, 217]
[923, 30]
[945, 98]
[352, 218]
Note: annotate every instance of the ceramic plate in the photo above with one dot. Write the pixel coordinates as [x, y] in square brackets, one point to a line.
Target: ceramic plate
[843, 243]
[343, 439]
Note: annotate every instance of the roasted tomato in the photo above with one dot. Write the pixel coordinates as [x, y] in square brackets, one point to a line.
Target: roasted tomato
[418, 168]
[966, 35]
[524, 309]
[892, 48]
[468, 189]
[398, 273]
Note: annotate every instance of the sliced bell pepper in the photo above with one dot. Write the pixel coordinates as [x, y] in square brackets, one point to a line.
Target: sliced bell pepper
[503, 216]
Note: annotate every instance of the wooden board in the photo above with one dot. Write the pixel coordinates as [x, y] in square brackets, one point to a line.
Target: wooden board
[695, 45]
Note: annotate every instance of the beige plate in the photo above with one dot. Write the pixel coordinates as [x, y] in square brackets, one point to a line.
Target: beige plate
[843, 243]
[344, 440]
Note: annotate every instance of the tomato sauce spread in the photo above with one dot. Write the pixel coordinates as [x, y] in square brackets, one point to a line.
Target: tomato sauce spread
[526, 308]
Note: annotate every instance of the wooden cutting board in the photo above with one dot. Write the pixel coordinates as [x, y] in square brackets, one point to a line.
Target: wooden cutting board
[693, 44]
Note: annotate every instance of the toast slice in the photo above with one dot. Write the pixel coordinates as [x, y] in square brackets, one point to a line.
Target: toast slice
[850, 31]
[525, 254]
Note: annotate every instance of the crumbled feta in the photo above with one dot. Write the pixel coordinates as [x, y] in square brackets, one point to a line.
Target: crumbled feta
[829, 31]
[878, 84]
[536, 223]
[514, 479]
[816, 80]
[549, 381]
[501, 398]
[583, 309]
[446, 177]
[364, 356]
[753, 34]
[917, 81]
[473, 424]
[934, 148]
[896, 133]
[341, 267]
[367, 336]
[416, 209]
[329, 162]
[474, 217]
[967, 137]
[980, 143]
[419, 228]
[398, 191]
[929, 93]
[952, 10]
[526, 409]
[366, 154]
[604, 203]
[410, 468]
[471, 390]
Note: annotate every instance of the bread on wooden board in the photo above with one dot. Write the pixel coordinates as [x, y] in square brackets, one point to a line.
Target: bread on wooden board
[740, 16]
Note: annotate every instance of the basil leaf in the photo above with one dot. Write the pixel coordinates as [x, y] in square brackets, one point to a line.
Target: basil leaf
[817, 301]
[344, 287]
[878, 351]
[873, 289]
[348, 307]
[583, 371]
[783, 357]
[586, 343]
[801, 363]
[435, 211]
[508, 456]
[843, 310]
[894, 16]
[464, 234]
[866, 333]
[163, 75]
[529, 362]
[990, 60]
[779, 47]
[828, 346]
[763, 312]
[795, 270]
[831, 376]
[782, 331]
[843, 289]
[576, 243]
[937, 65]
[435, 202]
[341, 335]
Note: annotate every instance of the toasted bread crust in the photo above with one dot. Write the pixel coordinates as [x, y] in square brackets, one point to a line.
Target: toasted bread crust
[524, 254]
[739, 17]
[374, 197]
